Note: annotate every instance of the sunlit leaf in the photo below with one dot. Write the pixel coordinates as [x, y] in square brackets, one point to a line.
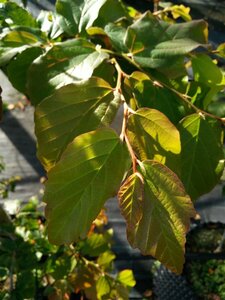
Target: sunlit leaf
[126, 277]
[67, 62]
[88, 173]
[102, 286]
[18, 40]
[70, 111]
[153, 136]
[12, 14]
[202, 158]
[167, 210]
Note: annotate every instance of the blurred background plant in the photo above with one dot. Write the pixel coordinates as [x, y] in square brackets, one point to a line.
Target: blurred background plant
[32, 268]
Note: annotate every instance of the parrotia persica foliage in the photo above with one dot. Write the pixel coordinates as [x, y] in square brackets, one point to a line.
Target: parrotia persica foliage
[79, 66]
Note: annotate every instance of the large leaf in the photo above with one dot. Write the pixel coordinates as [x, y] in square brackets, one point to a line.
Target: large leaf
[70, 111]
[17, 69]
[18, 40]
[148, 94]
[66, 62]
[202, 158]
[153, 136]
[154, 44]
[88, 173]
[166, 214]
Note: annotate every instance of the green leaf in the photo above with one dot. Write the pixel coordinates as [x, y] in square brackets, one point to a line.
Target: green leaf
[17, 69]
[167, 210]
[160, 46]
[102, 286]
[70, 111]
[130, 198]
[13, 14]
[88, 173]
[105, 259]
[126, 277]
[78, 15]
[148, 94]
[209, 76]
[221, 50]
[202, 158]
[94, 245]
[153, 136]
[18, 40]
[66, 62]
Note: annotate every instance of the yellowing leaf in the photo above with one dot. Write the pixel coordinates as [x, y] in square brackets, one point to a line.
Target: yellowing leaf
[88, 173]
[166, 214]
[153, 136]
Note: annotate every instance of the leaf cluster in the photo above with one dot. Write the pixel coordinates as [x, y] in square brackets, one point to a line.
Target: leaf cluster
[80, 66]
[32, 268]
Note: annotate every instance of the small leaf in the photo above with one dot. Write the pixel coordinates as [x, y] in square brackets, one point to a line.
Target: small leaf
[70, 111]
[202, 158]
[88, 173]
[102, 286]
[126, 277]
[130, 200]
[153, 136]
[167, 210]
[105, 259]
[221, 50]
[66, 62]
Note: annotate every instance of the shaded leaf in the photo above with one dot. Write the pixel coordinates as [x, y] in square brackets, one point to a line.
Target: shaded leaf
[66, 62]
[202, 158]
[88, 173]
[167, 210]
[17, 69]
[209, 77]
[147, 94]
[153, 136]
[160, 46]
[70, 111]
